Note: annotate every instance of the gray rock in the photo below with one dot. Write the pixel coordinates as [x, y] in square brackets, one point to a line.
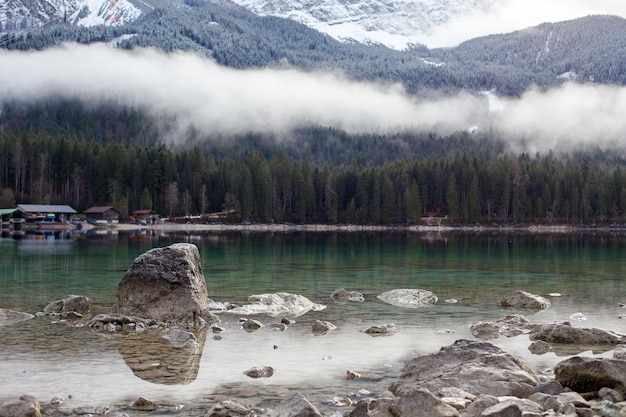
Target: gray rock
[382, 407]
[480, 404]
[320, 327]
[387, 329]
[504, 409]
[573, 398]
[230, 408]
[539, 347]
[143, 404]
[78, 304]
[473, 366]
[260, 372]
[123, 323]
[409, 298]
[620, 352]
[510, 326]
[610, 395]
[26, 406]
[420, 402]
[528, 407]
[342, 296]
[280, 304]
[564, 333]
[10, 316]
[524, 300]
[166, 284]
[250, 325]
[607, 409]
[552, 388]
[583, 374]
[296, 406]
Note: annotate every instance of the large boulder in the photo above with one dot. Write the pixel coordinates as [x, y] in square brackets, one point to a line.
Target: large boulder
[473, 366]
[166, 284]
[583, 374]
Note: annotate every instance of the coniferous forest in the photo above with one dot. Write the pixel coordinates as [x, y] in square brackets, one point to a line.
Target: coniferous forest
[68, 154]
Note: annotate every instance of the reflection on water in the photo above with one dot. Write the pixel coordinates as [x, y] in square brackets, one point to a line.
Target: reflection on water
[154, 358]
[48, 359]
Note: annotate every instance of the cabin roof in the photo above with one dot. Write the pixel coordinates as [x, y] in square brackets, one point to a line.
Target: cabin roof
[100, 209]
[46, 208]
[4, 212]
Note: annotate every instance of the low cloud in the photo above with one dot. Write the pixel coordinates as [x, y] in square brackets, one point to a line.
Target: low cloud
[213, 99]
[566, 118]
[218, 99]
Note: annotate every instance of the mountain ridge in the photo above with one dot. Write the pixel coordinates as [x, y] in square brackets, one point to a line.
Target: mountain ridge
[585, 50]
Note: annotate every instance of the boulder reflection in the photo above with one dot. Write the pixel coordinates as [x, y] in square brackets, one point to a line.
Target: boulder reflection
[166, 359]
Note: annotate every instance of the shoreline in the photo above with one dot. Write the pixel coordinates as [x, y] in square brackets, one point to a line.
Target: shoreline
[349, 228]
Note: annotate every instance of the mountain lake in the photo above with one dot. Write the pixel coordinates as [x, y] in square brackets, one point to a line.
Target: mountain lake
[469, 272]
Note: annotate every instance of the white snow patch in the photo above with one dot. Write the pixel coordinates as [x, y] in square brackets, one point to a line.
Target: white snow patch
[496, 104]
[434, 64]
[568, 76]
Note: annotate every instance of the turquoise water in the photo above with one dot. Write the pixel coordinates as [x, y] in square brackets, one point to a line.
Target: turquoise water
[47, 359]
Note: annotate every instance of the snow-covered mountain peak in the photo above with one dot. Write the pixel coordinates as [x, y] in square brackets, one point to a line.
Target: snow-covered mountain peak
[21, 15]
[393, 23]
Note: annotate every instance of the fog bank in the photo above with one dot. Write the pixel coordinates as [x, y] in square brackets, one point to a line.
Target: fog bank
[218, 100]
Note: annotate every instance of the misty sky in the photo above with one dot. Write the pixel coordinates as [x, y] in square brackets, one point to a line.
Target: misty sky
[215, 99]
[512, 15]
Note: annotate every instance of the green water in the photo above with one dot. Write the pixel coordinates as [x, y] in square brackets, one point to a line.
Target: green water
[46, 359]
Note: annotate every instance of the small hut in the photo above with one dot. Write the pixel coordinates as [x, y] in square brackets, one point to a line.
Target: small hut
[97, 214]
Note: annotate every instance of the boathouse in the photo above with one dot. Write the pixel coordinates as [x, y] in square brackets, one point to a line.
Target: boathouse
[46, 212]
[11, 216]
[145, 216]
[102, 213]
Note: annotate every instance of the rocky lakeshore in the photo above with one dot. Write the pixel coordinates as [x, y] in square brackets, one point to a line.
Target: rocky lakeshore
[163, 316]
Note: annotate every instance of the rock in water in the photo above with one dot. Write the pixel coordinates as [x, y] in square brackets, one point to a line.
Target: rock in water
[524, 300]
[409, 298]
[475, 367]
[584, 374]
[260, 372]
[11, 316]
[27, 406]
[166, 284]
[77, 304]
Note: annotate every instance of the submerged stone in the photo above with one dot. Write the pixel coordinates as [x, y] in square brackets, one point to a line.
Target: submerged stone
[278, 304]
[11, 316]
[409, 298]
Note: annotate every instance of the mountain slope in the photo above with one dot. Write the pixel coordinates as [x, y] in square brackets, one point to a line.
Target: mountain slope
[394, 23]
[589, 49]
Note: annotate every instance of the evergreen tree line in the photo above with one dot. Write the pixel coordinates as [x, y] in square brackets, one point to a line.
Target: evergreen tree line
[468, 189]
